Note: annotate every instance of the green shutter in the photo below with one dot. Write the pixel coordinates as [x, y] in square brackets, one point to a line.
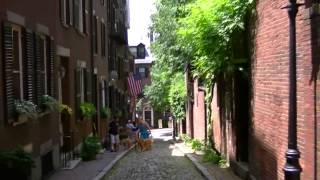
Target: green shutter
[39, 80]
[8, 68]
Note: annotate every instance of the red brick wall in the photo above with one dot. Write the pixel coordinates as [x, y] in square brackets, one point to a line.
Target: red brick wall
[198, 113]
[268, 137]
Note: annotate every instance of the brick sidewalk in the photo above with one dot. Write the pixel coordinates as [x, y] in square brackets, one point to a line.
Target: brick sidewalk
[88, 170]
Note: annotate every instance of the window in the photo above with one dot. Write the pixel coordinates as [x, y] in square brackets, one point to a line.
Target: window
[142, 72]
[79, 14]
[95, 34]
[84, 17]
[17, 63]
[103, 39]
[66, 8]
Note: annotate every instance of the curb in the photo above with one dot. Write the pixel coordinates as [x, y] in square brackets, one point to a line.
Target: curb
[105, 170]
[204, 172]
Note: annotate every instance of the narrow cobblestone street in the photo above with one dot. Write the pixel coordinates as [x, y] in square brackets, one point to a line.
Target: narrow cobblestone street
[164, 161]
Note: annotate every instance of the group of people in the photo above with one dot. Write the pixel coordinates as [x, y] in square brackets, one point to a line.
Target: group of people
[133, 131]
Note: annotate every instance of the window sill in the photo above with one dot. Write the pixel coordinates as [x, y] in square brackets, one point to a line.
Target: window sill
[64, 25]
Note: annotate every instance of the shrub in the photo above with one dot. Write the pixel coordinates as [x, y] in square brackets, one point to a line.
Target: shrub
[105, 112]
[15, 163]
[26, 108]
[196, 145]
[65, 109]
[49, 103]
[87, 110]
[186, 139]
[90, 148]
[211, 156]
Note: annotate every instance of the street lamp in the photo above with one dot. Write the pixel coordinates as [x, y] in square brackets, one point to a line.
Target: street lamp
[292, 168]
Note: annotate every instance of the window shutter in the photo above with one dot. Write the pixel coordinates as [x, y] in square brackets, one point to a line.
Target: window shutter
[39, 89]
[28, 66]
[88, 85]
[8, 68]
[50, 67]
[77, 92]
[76, 5]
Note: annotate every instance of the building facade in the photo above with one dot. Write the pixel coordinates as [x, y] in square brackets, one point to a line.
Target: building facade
[65, 49]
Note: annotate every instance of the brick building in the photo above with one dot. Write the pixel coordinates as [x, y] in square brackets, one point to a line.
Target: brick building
[65, 49]
[250, 107]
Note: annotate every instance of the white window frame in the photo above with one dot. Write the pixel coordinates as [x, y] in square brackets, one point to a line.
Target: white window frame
[20, 72]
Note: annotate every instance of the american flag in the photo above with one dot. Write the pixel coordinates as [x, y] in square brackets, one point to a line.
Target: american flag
[135, 86]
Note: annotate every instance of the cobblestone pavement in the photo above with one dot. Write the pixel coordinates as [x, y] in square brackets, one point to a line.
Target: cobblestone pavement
[164, 161]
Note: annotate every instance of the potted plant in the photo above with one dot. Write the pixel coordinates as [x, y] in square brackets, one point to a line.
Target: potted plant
[118, 113]
[24, 110]
[15, 163]
[90, 148]
[49, 104]
[87, 110]
[65, 109]
[105, 113]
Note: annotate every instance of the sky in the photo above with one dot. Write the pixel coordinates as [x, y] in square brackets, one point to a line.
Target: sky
[140, 12]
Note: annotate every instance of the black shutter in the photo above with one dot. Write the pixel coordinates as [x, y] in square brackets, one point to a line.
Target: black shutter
[77, 92]
[28, 66]
[38, 73]
[50, 67]
[8, 68]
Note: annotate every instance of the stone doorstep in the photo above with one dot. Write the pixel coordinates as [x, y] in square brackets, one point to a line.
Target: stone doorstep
[72, 164]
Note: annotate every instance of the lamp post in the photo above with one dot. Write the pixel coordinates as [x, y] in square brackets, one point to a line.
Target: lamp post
[292, 168]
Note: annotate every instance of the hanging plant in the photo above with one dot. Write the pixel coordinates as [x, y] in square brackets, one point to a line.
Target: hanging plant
[87, 110]
[65, 109]
[105, 113]
[48, 103]
[25, 108]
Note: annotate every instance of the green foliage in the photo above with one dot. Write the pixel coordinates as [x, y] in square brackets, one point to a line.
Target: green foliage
[49, 103]
[211, 155]
[178, 96]
[65, 109]
[158, 92]
[118, 113]
[90, 148]
[197, 145]
[209, 31]
[15, 163]
[26, 108]
[186, 139]
[105, 112]
[87, 110]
